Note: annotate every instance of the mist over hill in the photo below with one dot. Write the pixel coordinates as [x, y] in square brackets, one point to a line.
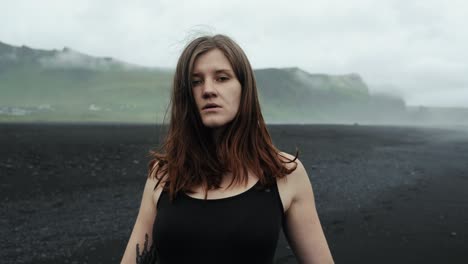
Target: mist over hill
[66, 85]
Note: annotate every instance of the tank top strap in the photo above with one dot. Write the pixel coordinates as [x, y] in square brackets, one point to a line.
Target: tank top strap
[162, 195]
[277, 197]
[276, 193]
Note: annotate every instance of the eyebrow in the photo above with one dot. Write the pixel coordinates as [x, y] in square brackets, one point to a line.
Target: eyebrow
[216, 72]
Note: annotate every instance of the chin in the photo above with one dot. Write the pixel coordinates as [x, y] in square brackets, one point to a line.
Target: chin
[211, 123]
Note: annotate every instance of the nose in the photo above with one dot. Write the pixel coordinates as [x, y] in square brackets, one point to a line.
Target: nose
[209, 89]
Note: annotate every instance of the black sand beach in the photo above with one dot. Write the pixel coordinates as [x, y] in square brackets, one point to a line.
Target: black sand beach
[384, 194]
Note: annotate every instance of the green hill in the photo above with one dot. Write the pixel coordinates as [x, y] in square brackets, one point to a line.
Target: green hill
[66, 85]
[69, 86]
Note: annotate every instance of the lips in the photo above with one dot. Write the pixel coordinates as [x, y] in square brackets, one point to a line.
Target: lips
[210, 105]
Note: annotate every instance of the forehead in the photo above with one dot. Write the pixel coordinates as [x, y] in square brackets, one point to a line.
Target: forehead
[211, 61]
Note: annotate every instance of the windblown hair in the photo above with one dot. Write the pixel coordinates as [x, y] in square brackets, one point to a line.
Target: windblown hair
[189, 156]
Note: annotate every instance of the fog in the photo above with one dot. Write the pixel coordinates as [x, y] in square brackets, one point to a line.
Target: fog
[418, 48]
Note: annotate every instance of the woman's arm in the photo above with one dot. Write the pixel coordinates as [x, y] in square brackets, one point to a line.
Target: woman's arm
[141, 238]
[302, 225]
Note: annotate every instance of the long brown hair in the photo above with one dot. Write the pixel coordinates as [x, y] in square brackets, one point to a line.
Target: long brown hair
[189, 156]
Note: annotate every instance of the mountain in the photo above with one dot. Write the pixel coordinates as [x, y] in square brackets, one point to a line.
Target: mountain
[310, 96]
[67, 85]
[67, 58]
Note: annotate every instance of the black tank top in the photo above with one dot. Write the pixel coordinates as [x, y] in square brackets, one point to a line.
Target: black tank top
[239, 229]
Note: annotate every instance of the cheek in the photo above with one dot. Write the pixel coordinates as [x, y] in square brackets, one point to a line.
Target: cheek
[235, 93]
[235, 102]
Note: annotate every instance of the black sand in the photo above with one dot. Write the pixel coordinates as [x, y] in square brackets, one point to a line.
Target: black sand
[71, 193]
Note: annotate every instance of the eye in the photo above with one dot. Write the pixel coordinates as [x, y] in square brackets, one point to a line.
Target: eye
[196, 82]
[223, 78]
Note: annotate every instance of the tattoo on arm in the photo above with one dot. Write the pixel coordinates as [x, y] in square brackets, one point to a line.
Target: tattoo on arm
[148, 255]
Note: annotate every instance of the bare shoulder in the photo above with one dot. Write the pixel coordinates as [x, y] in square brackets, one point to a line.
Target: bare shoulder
[298, 181]
[291, 186]
[151, 182]
[297, 163]
[289, 157]
[302, 225]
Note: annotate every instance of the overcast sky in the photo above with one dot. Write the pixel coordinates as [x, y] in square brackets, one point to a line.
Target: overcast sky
[415, 48]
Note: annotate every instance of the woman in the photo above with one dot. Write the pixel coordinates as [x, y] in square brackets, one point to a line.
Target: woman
[219, 192]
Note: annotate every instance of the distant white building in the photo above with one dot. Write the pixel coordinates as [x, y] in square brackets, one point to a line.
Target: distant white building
[45, 107]
[93, 107]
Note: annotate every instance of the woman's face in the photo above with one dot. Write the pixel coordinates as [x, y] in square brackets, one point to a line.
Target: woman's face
[214, 82]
